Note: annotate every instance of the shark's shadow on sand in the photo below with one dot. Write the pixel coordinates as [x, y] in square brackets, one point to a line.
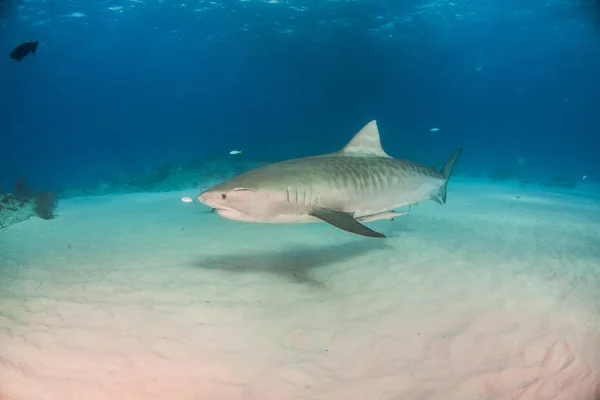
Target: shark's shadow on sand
[294, 264]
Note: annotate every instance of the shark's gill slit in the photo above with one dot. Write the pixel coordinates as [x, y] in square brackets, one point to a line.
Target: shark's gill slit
[315, 199]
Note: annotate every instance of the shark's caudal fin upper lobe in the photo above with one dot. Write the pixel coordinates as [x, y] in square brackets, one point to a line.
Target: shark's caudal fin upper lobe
[440, 195]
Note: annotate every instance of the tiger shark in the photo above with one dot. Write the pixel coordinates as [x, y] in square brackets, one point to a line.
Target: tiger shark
[359, 183]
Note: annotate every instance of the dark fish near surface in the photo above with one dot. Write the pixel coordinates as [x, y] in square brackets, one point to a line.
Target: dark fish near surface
[23, 49]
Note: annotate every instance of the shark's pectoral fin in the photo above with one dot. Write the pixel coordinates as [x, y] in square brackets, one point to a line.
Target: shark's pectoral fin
[344, 221]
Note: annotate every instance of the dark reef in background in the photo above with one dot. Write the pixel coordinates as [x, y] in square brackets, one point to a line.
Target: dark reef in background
[43, 203]
[167, 177]
[21, 191]
[503, 174]
[500, 174]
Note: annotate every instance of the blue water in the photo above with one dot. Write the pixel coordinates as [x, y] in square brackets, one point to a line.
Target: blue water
[153, 296]
[120, 87]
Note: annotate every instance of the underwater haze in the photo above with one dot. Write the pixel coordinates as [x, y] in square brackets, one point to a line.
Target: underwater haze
[166, 233]
[126, 86]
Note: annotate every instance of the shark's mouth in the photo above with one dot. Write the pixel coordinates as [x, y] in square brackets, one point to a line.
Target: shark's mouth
[231, 213]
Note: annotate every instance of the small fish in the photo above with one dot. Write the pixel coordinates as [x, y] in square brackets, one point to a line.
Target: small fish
[187, 199]
[584, 177]
[23, 50]
[74, 15]
[434, 129]
[235, 152]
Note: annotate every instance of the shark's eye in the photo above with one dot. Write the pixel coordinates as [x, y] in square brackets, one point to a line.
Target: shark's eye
[223, 196]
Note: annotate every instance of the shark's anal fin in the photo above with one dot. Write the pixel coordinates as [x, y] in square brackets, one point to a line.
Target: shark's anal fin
[344, 221]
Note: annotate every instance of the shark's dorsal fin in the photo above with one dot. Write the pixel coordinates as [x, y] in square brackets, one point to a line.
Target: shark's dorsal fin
[365, 143]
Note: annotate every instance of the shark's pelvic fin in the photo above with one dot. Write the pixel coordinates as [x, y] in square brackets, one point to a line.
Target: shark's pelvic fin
[440, 195]
[383, 215]
[344, 221]
[365, 143]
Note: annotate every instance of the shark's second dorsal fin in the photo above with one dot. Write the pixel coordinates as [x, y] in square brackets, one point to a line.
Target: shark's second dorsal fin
[365, 143]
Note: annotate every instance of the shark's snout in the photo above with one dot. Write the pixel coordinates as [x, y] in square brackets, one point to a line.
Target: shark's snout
[219, 200]
[202, 198]
[210, 198]
[215, 199]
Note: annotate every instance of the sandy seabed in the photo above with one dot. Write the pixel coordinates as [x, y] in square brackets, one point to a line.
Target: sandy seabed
[495, 295]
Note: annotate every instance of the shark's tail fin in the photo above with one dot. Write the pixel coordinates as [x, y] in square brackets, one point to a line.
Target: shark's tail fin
[440, 195]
